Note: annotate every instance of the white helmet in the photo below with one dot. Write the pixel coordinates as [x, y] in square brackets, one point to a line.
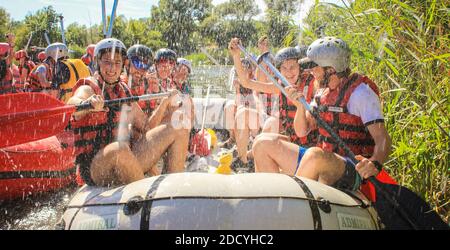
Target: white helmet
[329, 52]
[109, 44]
[185, 62]
[57, 51]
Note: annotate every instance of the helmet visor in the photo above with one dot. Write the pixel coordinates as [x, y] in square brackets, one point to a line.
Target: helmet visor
[139, 63]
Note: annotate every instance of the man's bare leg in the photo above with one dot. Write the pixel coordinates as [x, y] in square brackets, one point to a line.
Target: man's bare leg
[247, 123]
[325, 167]
[178, 151]
[154, 144]
[271, 125]
[230, 122]
[273, 153]
[115, 164]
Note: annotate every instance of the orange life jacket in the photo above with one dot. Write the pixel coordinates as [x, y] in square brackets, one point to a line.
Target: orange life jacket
[97, 129]
[34, 82]
[6, 81]
[141, 88]
[268, 102]
[162, 87]
[20, 85]
[288, 111]
[332, 108]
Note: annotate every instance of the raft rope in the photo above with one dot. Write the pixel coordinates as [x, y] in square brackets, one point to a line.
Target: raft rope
[214, 198]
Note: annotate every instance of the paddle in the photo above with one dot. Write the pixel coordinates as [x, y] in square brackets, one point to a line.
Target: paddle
[63, 36]
[26, 117]
[104, 18]
[199, 144]
[111, 21]
[397, 206]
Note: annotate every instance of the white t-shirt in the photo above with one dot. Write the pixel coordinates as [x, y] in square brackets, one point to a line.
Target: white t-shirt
[364, 103]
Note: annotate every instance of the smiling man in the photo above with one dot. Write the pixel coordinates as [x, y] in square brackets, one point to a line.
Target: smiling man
[108, 155]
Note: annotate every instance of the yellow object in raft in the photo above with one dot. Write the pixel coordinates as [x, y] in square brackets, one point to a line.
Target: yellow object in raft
[224, 164]
[213, 137]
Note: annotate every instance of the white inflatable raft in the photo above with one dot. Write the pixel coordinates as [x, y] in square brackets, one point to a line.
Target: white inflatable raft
[203, 201]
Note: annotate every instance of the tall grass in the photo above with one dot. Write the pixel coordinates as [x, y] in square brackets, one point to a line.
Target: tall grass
[404, 47]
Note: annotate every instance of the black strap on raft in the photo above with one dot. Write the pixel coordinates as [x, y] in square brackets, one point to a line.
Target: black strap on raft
[146, 209]
[317, 221]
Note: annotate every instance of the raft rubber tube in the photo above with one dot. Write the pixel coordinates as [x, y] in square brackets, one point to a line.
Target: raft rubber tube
[204, 201]
[36, 167]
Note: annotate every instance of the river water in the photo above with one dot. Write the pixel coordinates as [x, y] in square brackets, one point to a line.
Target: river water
[43, 211]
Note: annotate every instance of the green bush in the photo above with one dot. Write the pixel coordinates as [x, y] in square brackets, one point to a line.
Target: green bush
[77, 51]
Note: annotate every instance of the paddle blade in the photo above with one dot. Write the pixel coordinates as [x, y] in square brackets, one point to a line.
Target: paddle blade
[418, 211]
[26, 117]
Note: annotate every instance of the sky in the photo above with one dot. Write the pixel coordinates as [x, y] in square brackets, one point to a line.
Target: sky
[88, 12]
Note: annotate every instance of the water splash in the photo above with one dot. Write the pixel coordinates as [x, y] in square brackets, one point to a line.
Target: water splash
[113, 51]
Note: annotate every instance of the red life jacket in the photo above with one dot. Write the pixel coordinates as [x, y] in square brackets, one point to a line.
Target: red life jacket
[97, 129]
[288, 110]
[29, 65]
[6, 82]
[141, 88]
[332, 108]
[34, 82]
[162, 87]
[246, 97]
[267, 102]
[20, 85]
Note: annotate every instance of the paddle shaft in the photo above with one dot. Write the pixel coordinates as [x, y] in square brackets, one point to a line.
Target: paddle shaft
[202, 128]
[104, 18]
[111, 21]
[36, 114]
[63, 36]
[121, 101]
[348, 152]
[29, 40]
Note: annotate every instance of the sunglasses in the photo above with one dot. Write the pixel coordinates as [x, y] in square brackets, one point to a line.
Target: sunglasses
[140, 64]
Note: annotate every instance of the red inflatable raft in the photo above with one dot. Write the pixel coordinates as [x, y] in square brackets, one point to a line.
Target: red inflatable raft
[36, 167]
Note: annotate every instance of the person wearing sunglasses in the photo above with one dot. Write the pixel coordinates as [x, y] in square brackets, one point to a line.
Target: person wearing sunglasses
[139, 60]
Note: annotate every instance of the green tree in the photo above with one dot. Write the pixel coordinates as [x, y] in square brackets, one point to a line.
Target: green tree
[76, 35]
[4, 23]
[280, 21]
[134, 31]
[45, 19]
[178, 21]
[284, 7]
[231, 19]
[241, 10]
